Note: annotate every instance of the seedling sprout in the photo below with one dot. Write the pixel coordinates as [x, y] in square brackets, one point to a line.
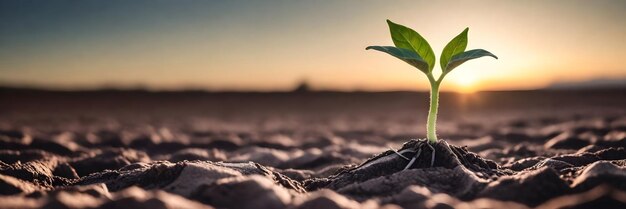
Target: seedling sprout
[413, 49]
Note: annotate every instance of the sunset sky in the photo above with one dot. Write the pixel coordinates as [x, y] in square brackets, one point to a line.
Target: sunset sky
[273, 45]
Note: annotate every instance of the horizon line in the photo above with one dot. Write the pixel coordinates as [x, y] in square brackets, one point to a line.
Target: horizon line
[292, 90]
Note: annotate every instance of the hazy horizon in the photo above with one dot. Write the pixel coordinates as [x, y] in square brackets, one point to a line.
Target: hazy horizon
[276, 44]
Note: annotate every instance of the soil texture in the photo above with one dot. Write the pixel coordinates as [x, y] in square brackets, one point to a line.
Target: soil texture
[311, 150]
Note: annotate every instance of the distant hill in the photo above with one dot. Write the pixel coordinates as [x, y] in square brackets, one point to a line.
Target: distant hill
[601, 83]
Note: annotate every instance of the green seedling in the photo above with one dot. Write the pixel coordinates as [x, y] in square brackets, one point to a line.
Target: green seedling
[412, 48]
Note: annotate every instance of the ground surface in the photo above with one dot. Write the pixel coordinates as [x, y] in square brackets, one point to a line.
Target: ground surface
[545, 149]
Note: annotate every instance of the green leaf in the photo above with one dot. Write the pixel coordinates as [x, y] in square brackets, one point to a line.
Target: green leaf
[456, 46]
[407, 38]
[405, 55]
[464, 57]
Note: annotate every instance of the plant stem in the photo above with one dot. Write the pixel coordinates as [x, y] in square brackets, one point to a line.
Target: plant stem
[431, 131]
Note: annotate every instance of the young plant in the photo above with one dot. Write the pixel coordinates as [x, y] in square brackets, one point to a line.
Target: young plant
[412, 48]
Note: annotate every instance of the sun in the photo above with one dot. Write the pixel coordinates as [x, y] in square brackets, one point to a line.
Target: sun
[465, 83]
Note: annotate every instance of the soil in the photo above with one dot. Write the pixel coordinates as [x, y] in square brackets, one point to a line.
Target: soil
[537, 149]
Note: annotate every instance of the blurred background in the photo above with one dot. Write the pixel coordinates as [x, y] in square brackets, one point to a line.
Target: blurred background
[282, 63]
[273, 45]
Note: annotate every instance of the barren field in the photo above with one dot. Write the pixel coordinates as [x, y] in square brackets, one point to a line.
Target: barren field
[136, 149]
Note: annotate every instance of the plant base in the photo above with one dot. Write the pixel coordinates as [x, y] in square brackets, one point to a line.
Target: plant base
[414, 154]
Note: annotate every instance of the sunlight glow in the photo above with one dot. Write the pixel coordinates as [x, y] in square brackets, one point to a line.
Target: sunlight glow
[466, 83]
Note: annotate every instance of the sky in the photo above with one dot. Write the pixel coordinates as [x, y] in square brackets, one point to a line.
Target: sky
[268, 45]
